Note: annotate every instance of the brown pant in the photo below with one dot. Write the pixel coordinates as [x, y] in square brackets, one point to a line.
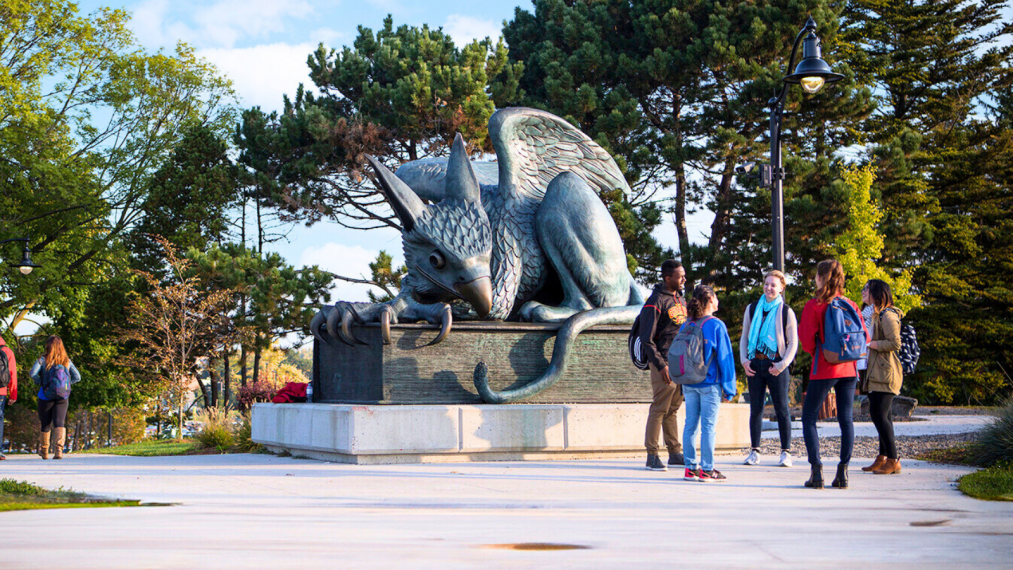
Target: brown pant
[661, 418]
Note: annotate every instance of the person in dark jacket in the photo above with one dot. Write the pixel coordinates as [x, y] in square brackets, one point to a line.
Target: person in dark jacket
[663, 313]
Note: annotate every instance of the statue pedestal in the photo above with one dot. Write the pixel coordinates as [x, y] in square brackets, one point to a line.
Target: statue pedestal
[408, 372]
[376, 434]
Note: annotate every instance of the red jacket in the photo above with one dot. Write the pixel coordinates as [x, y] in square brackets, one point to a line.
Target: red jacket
[810, 330]
[11, 391]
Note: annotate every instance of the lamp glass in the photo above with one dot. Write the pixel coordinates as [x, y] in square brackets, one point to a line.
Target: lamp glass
[812, 84]
[25, 269]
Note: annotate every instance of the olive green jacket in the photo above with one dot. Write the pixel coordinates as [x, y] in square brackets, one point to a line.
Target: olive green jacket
[885, 373]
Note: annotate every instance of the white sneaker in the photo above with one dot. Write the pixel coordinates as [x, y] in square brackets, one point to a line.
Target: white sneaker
[785, 459]
[753, 458]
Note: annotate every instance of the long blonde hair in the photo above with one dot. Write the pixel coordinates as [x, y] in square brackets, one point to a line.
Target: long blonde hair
[55, 353]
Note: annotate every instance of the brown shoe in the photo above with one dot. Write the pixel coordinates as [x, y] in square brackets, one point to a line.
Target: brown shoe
[889, 468]
[880, 460]
[44, 445]
[61, 438]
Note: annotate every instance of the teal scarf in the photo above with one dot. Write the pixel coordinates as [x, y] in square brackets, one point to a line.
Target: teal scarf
[763, 332]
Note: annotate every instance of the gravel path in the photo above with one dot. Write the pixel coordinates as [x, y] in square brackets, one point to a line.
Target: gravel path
[865, 447]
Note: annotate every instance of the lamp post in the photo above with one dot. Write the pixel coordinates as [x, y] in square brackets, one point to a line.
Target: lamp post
[812, 73]
[25, 265]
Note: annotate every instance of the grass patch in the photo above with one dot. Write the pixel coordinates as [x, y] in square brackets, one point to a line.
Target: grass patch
[148, 448]
[992, 484]
[24, 496]
[962, 454]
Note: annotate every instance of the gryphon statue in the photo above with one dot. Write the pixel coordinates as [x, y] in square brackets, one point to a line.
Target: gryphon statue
[527, 238]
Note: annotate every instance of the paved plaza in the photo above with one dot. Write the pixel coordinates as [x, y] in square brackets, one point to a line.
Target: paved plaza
[262, 511]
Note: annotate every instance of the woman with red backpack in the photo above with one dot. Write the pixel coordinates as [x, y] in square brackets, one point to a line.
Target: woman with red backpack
[54, 373]
[833, 332]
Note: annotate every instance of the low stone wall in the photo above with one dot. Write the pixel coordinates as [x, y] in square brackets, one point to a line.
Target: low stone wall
[367, 434]
[409, 372]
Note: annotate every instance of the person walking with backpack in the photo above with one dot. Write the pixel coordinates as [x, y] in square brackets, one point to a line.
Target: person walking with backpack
[704, 362]
[659, 320]
[8, 385]
[833, 332]
[767, 348]
[885, 374]
[54, 373]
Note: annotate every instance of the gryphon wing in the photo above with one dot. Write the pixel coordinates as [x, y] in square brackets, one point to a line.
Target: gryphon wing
[533, 147]
[428, 176]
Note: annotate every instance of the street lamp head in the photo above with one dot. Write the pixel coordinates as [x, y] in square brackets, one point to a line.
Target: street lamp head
[812, 72]
[26, 266]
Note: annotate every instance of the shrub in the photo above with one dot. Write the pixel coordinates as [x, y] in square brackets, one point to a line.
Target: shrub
[12, 487]
[255, 392]
[217, 429]
[244, 437]
[995, 442]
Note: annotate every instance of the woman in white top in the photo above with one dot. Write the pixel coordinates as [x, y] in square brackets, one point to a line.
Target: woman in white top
[766, 349]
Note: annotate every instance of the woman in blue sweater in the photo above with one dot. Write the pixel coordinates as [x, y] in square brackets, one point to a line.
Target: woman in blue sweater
[703, 400]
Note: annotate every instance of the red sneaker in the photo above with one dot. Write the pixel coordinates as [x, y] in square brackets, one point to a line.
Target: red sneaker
[691, 475]
[714, 475]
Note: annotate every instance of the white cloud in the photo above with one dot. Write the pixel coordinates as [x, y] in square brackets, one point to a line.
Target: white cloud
[262, 74]
[157, 23]
[346, 260]
[464, 29]
[326, 36]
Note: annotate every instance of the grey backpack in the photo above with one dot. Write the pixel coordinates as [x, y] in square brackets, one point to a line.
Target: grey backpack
[686, 363]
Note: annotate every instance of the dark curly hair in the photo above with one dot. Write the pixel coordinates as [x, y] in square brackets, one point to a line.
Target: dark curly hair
[702, 296]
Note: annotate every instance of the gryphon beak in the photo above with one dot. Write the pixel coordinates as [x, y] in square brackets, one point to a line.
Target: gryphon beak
[478, 293]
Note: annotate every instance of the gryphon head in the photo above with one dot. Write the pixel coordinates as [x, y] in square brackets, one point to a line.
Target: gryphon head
[447, 245]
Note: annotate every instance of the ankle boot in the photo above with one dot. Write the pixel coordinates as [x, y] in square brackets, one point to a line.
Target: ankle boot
[880, 460]
[841, 481]
[889, 468]
[44, 445]
[816, 478]
[61, 436]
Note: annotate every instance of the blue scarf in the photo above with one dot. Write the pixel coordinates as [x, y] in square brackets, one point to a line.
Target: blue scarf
[763, 331]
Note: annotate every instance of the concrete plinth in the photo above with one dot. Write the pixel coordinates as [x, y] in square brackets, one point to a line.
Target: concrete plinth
[374, 434]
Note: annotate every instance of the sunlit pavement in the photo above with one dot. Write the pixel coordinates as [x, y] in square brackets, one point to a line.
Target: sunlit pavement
[261, 511]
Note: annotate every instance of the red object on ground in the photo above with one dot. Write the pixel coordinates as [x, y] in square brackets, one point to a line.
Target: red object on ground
[292, 392]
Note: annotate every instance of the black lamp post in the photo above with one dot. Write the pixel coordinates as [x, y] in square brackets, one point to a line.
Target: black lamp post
[812, 73]
[25, 266]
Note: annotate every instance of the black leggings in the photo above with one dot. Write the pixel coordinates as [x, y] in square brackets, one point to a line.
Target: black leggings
[881, 410]
[52, 413]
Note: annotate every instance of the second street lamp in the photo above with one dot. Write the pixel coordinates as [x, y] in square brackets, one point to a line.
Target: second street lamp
[25, 266]
[811, 73]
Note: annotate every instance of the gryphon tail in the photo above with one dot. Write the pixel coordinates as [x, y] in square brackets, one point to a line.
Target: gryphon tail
[561, 352]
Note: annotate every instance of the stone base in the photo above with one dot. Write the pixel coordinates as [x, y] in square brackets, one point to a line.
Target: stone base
[365, 434]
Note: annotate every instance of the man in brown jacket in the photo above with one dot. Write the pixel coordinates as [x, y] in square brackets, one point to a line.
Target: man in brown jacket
[660, 319]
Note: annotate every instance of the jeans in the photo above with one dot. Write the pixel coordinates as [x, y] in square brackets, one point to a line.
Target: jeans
[3, 405]
[778, 385]
[881, 410]
[701, 409]
[817, 392]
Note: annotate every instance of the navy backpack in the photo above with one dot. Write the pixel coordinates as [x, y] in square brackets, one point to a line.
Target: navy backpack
[843, 336]
[56, 383]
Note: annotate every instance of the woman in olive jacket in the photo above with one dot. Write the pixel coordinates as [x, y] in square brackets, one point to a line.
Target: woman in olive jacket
[885, 374]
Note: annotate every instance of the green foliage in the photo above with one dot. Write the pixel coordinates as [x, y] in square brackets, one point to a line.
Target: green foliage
[14, 487]
[861, 243]
[217, 430]
[994, 444]
[385, 277]
[244, 437]
[992, 484]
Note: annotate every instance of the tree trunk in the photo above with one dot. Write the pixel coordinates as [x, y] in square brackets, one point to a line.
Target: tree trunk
[158, 420]
[77, 434]
[723, 201]
[256, 364]
[204, 391]
[228, 380]
[215, 396]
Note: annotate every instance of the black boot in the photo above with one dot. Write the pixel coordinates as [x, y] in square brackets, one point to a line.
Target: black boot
[816, 479]
[841, 481]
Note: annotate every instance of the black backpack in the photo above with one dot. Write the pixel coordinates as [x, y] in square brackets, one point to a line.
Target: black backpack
[909, 350]
[5, 368]
[636, 347]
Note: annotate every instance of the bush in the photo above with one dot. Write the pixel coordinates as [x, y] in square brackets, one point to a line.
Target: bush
[995, 442]
[12, 487]
[255, 392]
[217, 429]
[244, 437]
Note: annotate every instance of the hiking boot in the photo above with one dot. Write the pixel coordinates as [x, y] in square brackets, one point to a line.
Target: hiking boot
[785, 459]
[841, 480]
[753, 458]
[880, 460]
[676, 459]
[654, 463]
[690, 475]
[712, 475]
[815, 478]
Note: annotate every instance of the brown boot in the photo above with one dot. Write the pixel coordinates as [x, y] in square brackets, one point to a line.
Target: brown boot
[44, 445]
[889, 468]
[61, 437]
[880, 460]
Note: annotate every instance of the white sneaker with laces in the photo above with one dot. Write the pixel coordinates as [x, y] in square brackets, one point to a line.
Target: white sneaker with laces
[753, 458]
[785, 459]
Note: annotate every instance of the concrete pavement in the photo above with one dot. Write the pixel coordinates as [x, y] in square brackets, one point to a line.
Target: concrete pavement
[261, 511]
